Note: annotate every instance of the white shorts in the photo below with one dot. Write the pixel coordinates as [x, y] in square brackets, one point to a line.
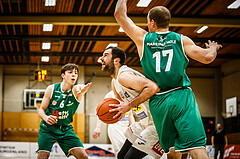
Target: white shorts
[144, 139]
[116, 136]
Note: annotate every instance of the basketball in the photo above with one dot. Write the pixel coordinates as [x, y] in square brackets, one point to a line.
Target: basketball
[103, 111]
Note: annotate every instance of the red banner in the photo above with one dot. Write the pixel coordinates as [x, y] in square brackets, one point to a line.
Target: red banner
[231, 152]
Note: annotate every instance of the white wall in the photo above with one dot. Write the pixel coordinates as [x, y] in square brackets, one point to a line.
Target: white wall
[202, 80]
[204, 93]
[100, 87]
[230, 82]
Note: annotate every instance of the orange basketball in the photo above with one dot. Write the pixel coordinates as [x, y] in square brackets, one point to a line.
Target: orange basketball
[103, 111]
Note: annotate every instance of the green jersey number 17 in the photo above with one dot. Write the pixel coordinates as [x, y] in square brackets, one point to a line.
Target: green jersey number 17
[158, 59]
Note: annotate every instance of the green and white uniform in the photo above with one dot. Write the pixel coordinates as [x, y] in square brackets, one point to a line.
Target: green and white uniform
[63, 105]
[174, 109]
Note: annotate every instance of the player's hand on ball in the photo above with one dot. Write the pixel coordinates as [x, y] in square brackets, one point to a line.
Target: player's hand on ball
[51, 120]
[122, 109]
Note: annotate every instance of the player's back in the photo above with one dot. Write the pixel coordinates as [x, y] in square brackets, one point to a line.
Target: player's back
[164, 60]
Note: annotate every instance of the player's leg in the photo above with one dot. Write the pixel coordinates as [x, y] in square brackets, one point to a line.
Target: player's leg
[116, 135]
[43, 155]
[199, 153]
[174, 155]
[132, 133]
[126, 146]
[134, 153]
[148, 142]
[79, 153]
[71, 144]
[160, 108]
[45, 142]
[187, 120]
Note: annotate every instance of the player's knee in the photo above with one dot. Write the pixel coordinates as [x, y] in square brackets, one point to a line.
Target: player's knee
[85, 156]
[79, 153]
[199, 153]
[43, 155]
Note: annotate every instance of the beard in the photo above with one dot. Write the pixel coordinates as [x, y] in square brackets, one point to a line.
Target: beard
[110, 68]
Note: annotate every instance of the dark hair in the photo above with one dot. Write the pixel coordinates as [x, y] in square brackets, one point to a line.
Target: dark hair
[118, 53]
[161, 15]
[69, 66]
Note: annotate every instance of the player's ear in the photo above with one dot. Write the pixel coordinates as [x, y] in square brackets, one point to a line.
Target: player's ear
[62, 75]
[117, 60]
[153, 23]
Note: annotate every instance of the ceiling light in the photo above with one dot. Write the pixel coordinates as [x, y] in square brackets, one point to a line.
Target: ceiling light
[200, 30]
[112, 45]
[234, 5]
[45, 58]
[50, 2]
[46, 46]
[47, 27]
[120, 29]
[143, 3]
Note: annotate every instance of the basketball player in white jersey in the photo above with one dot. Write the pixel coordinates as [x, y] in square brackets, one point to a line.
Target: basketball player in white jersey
[134, 89]
[115, 131]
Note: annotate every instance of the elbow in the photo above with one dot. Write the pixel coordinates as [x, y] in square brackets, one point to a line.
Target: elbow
[209, 59]
[119, 15]
[116, 14]
[158, 89]
[155, 89]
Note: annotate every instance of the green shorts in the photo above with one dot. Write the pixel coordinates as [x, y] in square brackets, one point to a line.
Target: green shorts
[64, 135]
[177, 120]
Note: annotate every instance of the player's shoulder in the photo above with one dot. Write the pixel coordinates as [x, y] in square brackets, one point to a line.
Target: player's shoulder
[125, 74]
[50, 87]
[76, 86]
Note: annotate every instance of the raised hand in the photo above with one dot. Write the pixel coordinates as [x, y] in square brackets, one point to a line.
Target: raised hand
[213, 44]
[83, 89]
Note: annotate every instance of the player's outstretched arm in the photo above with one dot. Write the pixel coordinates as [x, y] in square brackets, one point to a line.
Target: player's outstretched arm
[203, 55]
[134, 32]
[44, 105]
[80, 90]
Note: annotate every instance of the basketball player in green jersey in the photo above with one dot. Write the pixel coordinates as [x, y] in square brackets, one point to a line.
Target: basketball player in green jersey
[163, 56]
[59, 104]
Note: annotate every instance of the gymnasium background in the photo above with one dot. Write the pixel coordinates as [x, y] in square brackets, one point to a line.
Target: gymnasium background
[210, 88]
[78, 31]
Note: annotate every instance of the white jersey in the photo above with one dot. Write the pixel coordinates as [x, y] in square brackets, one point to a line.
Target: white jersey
[128, 95]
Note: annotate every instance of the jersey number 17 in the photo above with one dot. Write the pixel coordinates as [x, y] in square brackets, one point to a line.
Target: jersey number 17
[158, 59]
